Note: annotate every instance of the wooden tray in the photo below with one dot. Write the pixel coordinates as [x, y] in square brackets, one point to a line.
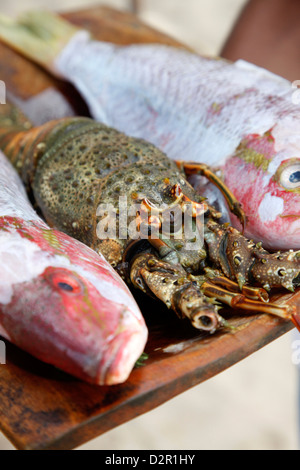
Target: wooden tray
[43, 408]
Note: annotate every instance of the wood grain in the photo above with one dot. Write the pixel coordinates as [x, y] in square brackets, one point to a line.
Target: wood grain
[43, 408]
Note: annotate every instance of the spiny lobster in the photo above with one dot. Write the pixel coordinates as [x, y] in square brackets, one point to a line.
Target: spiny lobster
[73, 166]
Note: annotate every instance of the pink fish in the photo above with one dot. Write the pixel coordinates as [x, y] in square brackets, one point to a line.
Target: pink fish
[59, 300]
[271, 203]
[234, 116]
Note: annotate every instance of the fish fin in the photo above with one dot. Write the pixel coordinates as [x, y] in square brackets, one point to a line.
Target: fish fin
[38, 35]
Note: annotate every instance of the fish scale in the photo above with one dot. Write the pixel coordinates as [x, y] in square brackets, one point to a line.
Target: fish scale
[188, 86]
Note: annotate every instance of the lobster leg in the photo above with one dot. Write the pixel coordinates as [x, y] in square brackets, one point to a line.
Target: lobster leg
[244, 261]
[253, 293]
[165, 252]
[239, 301]
[170, 284]
[192, 168]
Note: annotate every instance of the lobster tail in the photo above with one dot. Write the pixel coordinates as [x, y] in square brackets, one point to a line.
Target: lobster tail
[23, 144]
[14, 131]
[10, 116]
[20, 142]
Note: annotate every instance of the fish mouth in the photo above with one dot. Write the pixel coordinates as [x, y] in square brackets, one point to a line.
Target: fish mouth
[120, 357]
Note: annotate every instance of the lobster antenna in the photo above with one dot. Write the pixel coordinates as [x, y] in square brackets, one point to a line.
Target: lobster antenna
[38, 35]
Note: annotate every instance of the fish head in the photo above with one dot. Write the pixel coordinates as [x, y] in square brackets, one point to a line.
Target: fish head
[264, 175]
[75, 314]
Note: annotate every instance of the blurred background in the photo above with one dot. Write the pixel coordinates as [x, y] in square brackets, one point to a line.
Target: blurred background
[253, 405]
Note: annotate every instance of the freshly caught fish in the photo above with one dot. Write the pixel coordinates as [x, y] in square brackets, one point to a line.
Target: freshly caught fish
[59, 300]
[125, 199]
[235, 116]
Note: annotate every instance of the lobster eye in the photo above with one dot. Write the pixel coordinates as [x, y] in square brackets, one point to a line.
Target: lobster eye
[290, 176]
[281, 272]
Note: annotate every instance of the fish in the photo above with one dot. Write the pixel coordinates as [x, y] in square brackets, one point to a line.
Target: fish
[236, 117]
[60, 301]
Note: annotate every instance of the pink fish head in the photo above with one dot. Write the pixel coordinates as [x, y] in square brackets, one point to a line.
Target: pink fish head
[264, 175]
[64, 304]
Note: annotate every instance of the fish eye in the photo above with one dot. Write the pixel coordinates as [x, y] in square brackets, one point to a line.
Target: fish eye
[64, 281]
[290, 176]
[65, 286]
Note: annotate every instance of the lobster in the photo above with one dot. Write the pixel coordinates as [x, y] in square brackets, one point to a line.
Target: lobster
[75, 167]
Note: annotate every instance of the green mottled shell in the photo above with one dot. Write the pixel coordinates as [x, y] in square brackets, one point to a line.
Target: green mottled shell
[86, 164]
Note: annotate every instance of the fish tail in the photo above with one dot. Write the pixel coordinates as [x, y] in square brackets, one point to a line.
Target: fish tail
[39, 35]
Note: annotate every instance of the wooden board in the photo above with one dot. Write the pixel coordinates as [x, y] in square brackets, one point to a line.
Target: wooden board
[43, 408]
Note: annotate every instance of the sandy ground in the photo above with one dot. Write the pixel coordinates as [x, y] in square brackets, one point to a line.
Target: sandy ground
[254, 404]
